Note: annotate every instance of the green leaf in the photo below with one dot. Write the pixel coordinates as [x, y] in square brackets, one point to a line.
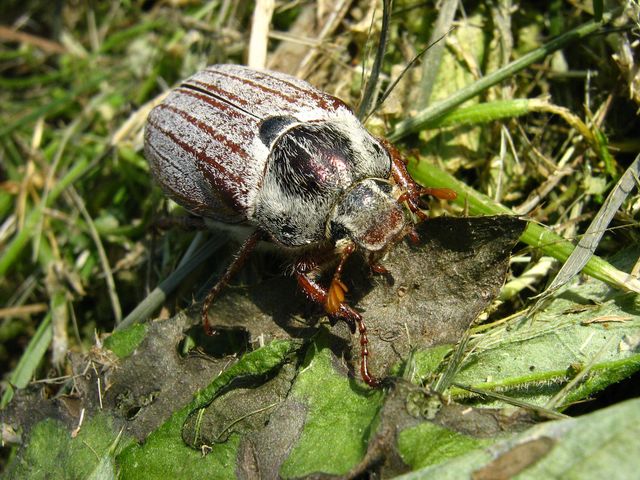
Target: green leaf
[424, 363]
[164, 454]
[590, 447]
[428, 444]
[124, 342]
[53, 452]
[588, 332]
[340, 419]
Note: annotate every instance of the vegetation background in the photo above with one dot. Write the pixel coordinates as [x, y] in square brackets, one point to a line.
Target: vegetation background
[549, 141]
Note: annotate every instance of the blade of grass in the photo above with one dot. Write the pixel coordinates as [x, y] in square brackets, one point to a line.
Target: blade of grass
[433, 58]
[502, 109]
[67, 135]
[30, 82]
[535, 235]
[122, 39]
[159, 294]
[102, 255]
[545, 411]
[371, 87]
[29, 360]
[485, 112]
[434, 111]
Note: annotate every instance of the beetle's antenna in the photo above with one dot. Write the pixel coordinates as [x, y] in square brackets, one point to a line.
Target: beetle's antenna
[390, 88]
[368, 98]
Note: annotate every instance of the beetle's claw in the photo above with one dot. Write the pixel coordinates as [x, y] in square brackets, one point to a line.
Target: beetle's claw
[440, 193]
[348, 315]
[379, 269]
[335, 296]
[413, 236]
[412, 198]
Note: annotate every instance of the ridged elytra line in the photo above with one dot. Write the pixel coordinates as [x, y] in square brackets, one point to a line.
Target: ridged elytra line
[234, 147]
[200, 155]
[198, 207]
[210, 93]
[216, 92]
[164, 157]
[259, 86]
[320, 98]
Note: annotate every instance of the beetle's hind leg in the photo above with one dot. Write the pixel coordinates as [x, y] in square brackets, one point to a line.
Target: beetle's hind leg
[238, 262]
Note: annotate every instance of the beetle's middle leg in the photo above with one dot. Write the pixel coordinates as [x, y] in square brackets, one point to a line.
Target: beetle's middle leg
[239, 260]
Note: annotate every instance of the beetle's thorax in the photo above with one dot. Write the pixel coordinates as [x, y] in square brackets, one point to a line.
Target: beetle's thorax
[311, 166]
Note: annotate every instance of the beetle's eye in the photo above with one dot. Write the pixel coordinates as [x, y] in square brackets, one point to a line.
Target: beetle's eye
[272, 127]
[379, 150]
[288, 231]
[385, 187]
[338, 231]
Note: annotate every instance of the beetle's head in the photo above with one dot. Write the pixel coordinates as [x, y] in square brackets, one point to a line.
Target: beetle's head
[368, 215]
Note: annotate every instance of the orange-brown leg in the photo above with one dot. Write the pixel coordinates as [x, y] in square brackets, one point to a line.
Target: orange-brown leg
[237, 263]
[343, 311]
[337, 289]
[413, 191]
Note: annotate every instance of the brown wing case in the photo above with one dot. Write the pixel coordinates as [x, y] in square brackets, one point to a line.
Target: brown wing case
[202, 142]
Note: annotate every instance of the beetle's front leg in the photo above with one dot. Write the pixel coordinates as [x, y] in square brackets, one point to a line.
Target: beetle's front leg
[316, 292]
[319, 294]
[337, 289]
[411, 190]
[332, 299]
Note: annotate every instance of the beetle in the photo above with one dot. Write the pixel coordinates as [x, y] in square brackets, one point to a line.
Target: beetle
[259, 148]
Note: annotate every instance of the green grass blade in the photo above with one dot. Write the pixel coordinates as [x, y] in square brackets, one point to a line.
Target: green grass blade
[30, 359]
[485, 112]
[535, 235]
[434, 111]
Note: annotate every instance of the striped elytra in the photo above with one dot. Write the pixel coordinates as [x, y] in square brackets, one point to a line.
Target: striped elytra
[270, 151]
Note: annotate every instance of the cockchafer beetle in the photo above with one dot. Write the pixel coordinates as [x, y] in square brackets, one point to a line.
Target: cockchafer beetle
[264, 149]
